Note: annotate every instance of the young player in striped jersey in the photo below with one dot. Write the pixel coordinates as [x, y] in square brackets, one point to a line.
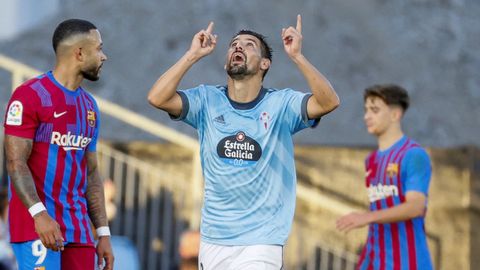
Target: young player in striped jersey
[245, 133]
[51, 132]
[397, 179]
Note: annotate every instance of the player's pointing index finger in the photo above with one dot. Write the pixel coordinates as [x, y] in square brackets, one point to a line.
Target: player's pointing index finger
[299, 24]
[209, 28]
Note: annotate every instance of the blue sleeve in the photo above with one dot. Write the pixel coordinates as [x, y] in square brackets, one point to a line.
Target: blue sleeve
[297, 117]
[417, 170]
[92, 146]
[191, 106]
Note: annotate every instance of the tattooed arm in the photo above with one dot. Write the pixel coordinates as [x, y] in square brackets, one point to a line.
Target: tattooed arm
[17, 151]
[96, 210]
[95, 196]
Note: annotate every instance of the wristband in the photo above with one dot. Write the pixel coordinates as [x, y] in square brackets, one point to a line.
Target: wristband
[36, 208]
[103, 231]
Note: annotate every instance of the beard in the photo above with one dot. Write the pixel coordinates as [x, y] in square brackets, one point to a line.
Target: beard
[91, 73]
[237, 72]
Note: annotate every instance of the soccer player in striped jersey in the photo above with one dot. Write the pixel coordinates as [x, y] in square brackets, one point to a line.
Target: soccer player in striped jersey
[397, 180]
[51, 131]
[245, 132]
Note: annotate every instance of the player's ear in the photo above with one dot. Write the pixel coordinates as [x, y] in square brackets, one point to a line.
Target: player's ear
[77, 51]
[397, 113]
[265, 64]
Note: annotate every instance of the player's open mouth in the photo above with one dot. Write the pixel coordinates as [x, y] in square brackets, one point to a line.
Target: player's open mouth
[237, 58]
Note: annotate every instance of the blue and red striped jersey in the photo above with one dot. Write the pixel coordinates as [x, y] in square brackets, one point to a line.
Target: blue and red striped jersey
[63, 125]
[390, 174]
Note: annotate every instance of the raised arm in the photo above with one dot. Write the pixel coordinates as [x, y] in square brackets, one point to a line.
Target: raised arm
[96, 210]
[17, 152]
[324, 99]
[163, 93]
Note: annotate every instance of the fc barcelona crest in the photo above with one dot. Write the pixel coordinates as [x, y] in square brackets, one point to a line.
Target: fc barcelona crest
[392, 169]
[91, 118]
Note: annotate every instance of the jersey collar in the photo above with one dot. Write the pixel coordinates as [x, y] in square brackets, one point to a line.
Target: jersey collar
[247, 105]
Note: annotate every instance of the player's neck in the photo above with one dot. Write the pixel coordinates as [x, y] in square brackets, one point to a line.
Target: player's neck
[66, 77]
[389, 137]
[244, 91]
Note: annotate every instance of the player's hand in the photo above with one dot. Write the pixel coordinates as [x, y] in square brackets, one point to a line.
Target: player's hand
[203, 42]
[292, 39]
[105, 253]
[352, 221]
[49, 231]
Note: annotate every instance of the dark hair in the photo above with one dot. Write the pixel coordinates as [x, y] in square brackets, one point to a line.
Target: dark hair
[391, 94]
[266, 49]
[70, 28]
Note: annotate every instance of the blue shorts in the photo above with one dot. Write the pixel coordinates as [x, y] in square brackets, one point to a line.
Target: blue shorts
[32, 255]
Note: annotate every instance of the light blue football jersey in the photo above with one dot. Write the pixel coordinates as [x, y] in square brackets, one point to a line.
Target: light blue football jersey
[248, 162]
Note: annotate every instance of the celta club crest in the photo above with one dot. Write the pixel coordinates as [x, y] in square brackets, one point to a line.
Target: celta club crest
[91, 118]
[265, 119]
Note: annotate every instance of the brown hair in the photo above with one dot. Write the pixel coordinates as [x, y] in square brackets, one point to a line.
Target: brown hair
[391, 94]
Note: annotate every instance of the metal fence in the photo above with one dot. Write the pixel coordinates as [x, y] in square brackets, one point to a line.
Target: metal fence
[326, 258]
[149, 206]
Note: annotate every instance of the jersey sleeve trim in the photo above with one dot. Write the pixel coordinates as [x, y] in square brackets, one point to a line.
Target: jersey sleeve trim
[185, 107]
[308, 122]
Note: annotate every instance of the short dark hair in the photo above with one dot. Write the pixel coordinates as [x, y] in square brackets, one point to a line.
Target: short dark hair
[391, 94]
[266, 49]
[70, 28]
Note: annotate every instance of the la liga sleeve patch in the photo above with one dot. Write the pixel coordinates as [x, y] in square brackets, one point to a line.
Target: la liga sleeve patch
[14, 114]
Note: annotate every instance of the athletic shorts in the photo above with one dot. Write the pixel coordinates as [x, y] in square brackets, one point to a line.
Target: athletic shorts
[254, 257]
[33, 255]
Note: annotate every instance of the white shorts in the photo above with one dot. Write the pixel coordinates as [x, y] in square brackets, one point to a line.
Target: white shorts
[255, 257]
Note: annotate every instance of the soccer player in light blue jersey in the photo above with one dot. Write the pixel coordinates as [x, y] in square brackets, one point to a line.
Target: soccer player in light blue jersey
[245, 132]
